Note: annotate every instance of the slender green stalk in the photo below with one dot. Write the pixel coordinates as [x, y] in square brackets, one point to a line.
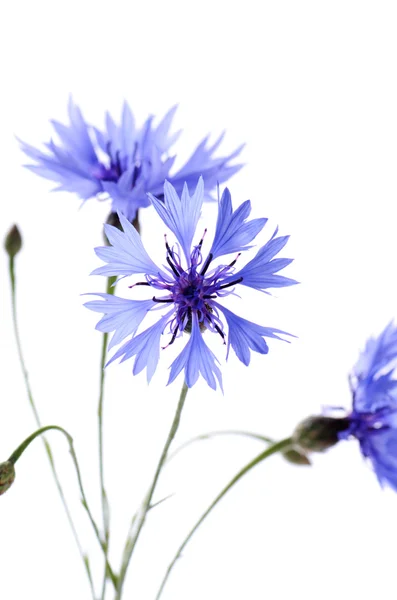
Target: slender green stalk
[139, 519]
[110, 289]
[22, 447]
[38, 420]
[207, 436]
[273, 449]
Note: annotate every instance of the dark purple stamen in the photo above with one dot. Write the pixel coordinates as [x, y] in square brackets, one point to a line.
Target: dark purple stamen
[176, 269]
[173, 267]
[174, 334]
[219, 330]
[166, 243]
[206, 264]
[117, 165]
[135, 175]
[202, 238]
[235, 260]
[226, 285]
[208, 296]
[162, 300]
[139, 283]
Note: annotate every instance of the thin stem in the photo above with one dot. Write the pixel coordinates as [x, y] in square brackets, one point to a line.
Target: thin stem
[273, 449]
[22, 447]
[207, 436]
[110, 289]
[38, 421]
[140, 519]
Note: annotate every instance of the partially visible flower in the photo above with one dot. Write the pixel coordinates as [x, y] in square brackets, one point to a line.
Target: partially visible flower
[373, 420]
[124, 161]
[189, 287]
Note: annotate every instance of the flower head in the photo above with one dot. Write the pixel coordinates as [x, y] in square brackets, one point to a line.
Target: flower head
[190, 287]
[124, 161]
[373, 420]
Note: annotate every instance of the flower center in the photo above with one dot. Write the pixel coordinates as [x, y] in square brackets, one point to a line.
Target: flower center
[192, 290]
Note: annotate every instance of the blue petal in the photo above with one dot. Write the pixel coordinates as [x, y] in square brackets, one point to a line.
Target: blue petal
[373, 380]
[245, 335]
[213, 170]
[232, 232]
[146, 348]
[181, 215]
[259, 273]
[371, 395]
[120, 315]
[380, 446]
[162, 140]
[75, 138]
[378, 353]
[126, 256]
[68, 180]
[73, 163]
[196, 358]
[127, 133]
[80, 140]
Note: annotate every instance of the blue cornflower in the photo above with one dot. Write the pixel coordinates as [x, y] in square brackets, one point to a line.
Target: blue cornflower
[189, 287]
[373, 420]
[124, 161]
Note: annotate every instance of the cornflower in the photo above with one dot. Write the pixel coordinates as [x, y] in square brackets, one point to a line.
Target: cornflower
[190, 287]
[124, 162]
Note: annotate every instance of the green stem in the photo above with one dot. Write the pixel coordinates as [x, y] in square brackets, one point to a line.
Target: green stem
[16, 455]
[277, 447]
[22, 447]
[207, 436]
[110, 289]
[140, 519]
[38, 420]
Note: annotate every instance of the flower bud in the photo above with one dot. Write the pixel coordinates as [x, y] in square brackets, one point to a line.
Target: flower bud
[7, 476]
[13, 242]
[296, 457]
[317, 433]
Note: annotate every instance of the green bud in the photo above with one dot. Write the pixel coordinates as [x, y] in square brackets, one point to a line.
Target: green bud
[296, 457]
[7, 476]
[317, 433]
[13, 242]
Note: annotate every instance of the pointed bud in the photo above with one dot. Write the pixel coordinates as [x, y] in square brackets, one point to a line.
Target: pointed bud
[7, 476]
[13, 242]
[317, 433]
[296, 457]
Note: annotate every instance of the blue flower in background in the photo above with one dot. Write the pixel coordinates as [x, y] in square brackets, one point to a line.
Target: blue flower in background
[124, 162]
[373, 420]
[189, 289]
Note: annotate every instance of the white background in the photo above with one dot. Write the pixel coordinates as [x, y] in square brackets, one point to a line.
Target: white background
[311, 88]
